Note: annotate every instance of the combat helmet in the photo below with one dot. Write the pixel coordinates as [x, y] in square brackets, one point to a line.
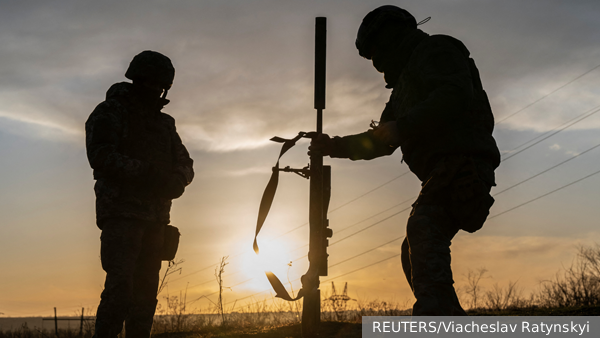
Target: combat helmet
[377, 19]
[151, 66]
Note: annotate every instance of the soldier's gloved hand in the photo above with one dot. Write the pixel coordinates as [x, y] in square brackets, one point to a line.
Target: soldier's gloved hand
[322, 144]
[388, 133]
[174, 186]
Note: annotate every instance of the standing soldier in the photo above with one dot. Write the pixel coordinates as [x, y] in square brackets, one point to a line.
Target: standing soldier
[140, 165]
[440, 117]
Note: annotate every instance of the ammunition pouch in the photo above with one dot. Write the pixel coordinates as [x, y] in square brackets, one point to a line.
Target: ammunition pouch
[456, 184]
[171, 243]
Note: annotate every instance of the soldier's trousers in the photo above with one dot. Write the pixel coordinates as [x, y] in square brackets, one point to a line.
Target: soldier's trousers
[131, 257]
[426, 261]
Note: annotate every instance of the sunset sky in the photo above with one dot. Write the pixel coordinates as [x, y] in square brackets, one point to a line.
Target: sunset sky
[244, 73]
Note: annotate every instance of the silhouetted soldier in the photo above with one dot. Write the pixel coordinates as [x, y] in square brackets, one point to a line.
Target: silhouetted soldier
[140, 165]
[440, 117]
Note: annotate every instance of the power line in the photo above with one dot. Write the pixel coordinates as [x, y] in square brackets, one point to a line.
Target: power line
[337, 231]
[538, 174]
[544, 96]
[549, 131]
[564, 126]
[587, 114]
[349, 202]
[544, 195]
[377, 214]
[210, 294]
[370, 191]
[545, 171]
[363, 229]
[370, 226]
[203, 296]
[532, 103]
[205, 282]
[355, 233]
[195, 272]
[360, 254]
[364, 267]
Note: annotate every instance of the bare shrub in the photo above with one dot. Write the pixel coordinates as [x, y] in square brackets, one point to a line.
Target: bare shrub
[472, 288]
[592, 256]
[578, 285]
[511, 297]
[219, 270]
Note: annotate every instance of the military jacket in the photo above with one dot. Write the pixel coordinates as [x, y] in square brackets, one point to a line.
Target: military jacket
[127, 144]
[439, 106]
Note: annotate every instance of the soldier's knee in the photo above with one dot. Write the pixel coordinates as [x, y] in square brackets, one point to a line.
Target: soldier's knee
[429, 224]
[119, 286]
[418, 229]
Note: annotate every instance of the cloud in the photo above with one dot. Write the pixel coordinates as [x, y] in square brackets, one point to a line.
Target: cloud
[244, 70]
[28, 127]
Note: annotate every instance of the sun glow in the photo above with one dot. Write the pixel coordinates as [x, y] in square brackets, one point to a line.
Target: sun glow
[274, 256]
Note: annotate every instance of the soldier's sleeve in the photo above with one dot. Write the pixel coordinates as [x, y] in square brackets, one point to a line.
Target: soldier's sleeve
[363, 146]
[184, 165]
[443, 73]
[102, 142]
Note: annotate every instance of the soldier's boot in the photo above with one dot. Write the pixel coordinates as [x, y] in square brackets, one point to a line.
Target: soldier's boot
[112, 311]
[105, 329]
[437, 300]
[429, 239]
[108, 324]
[139, 321]
[432, 282]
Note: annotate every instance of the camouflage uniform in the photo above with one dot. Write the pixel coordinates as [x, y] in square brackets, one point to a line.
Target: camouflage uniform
[445, 125]
[140, 165]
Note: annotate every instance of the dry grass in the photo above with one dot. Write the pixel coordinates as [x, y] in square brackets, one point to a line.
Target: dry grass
[25, 332]
[575, 290]
[577, 285]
